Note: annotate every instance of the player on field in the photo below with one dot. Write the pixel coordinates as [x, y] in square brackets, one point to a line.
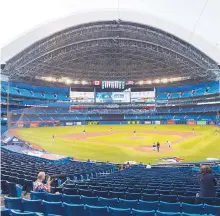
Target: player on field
[193, 130]
[154, 147]
[134, 133]
[53, 137]
[111, 129]
[155, 128]
[84, 132]
[169, 144]
[158, 146]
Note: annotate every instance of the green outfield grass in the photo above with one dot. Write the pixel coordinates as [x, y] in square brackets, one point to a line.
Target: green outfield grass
[120, 145]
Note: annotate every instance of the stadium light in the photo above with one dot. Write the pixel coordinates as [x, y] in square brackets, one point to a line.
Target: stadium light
[141, 82]
[165, 80]
[84, 82]
[76, 82]
[157, 81]
[149, 82]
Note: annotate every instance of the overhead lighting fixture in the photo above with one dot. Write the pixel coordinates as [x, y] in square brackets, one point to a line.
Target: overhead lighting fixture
[165, 80]
[76, 82]
[156, 81]
[84, 82]
[141, 82]
[149, 82]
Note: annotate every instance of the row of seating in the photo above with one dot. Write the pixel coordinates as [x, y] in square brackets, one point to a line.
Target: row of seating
[126, 208]
[78, 199]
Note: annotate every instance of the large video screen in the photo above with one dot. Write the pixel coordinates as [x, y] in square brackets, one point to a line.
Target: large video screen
[82, 97]
[143, 97]
[113, 97]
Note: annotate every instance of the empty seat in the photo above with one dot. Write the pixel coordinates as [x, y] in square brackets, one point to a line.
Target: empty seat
[100, 193]
[136, 212]
[32, 205]
[150, 197]
[132, 196]
[187, 199]
[96, 210]
[54, 197]
[192, 208]
[168, 198]
[72, 210]
[159, 213]
[72, 199]
[112, 202]
[38, 195]
[128, 203]
[90, 200]
[16, 213]
[86, 192]
[147, 205]
[13, 203]
[53, 208]
[113, 194]
[119, 212]
[70, 191]
[209, 209]
[5, 212]
[169, 207]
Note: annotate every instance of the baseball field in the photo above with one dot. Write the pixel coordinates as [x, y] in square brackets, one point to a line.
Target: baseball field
[118, 143]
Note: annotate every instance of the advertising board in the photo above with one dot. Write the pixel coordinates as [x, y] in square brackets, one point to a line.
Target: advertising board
[191, 122]
[147, 122]
[143, 97]
[201, 122]
[113, 97]
[157, 122]
[170, 122]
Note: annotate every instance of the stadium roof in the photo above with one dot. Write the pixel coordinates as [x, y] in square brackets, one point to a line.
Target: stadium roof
[114, 45]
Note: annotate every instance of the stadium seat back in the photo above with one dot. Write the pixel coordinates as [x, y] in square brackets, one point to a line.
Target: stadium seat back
[74, 210]
[13, 203]
[32, 205]
[53, 208]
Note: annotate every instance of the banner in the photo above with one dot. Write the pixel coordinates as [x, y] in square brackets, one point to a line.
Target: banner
[147, 122]
[157, 122]
[69, 123]
[78, 123]
[201, 122]
[20, 125]
[170, 122]
[93, 123]
[34, 124]
[191, 122]
[212, 123]
[133, 122]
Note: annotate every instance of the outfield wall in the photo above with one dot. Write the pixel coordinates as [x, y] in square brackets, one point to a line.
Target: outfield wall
[33, 124]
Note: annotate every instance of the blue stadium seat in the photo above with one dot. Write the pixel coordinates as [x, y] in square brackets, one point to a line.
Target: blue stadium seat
[100, 193]
[74, 210]
[72, 199]
[32, 205]
[38, 195]
[128, 203]
[168, 198]
[150, 197]
[70, 191]
[53, 208]
[96, 210]
[169, 207]
[90, 200]
[136, 212]
[13, 203]
[159, 213]
[5, 212]
[207, 200]
[16, 213]
[54, 197]
[192, 208]
[119, 212]
[209, 209]
[133, 196]
[147, 205]
[112, 202]
[113, 194]
[187, 199]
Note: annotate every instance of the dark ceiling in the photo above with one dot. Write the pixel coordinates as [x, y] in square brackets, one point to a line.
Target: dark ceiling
[111, 50]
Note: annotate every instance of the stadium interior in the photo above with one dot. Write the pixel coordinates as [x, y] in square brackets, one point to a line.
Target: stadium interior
[122, 116]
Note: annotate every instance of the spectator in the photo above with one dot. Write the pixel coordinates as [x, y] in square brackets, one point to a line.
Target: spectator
[140, 164]
[207, 182]
[148, 166]
[39, 186]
